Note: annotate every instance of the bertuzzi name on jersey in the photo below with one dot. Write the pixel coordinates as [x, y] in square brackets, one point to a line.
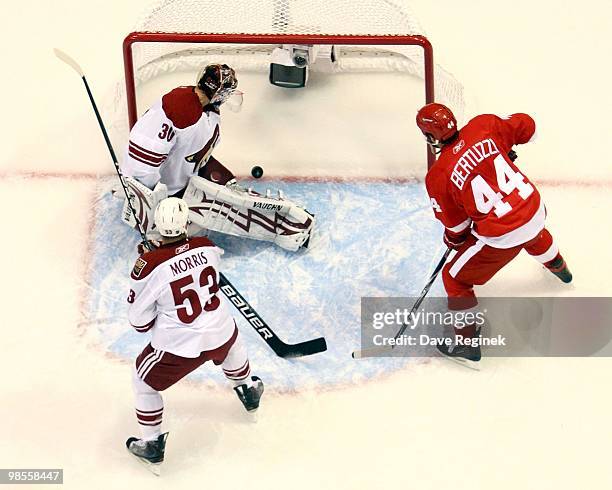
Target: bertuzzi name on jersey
[470, 159]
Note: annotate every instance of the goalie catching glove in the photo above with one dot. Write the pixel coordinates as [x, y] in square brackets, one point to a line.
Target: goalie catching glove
[237, 211]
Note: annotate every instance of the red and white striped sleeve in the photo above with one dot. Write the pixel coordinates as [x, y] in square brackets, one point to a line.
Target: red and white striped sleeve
[151, 140]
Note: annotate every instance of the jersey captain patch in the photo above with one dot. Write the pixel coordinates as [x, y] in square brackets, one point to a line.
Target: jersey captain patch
[139, 266]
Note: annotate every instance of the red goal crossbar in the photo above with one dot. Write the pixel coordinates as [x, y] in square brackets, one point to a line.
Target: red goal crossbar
[174, 37]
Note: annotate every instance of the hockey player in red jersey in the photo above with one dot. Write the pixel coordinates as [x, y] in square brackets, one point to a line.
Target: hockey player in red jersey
[174, 295]
[169, 153]
[490, 210]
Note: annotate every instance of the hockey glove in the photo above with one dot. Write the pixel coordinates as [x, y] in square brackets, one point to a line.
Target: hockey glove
[455, 240]
[142, 248]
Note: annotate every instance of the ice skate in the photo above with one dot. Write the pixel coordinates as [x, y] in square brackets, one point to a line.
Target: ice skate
[250, 396]
[466, 355]
[559, 268]
[149, 453]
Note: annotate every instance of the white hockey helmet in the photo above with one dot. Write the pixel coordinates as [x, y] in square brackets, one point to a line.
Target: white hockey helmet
[171, 217]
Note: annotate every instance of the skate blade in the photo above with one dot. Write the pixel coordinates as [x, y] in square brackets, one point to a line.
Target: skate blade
[154, 468]
[473, 365]
[253, 416]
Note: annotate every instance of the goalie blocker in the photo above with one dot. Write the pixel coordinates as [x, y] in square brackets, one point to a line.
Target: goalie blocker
[237, 211]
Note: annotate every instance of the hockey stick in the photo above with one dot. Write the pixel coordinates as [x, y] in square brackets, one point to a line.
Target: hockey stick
[76, 67]
[373, 351]
[277, 345]
[261, 327]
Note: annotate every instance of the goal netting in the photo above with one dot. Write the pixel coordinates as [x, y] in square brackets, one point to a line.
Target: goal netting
[369, 35]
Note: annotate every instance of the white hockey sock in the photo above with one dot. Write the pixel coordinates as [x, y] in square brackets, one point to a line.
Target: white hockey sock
[149, 408]
[236, 365]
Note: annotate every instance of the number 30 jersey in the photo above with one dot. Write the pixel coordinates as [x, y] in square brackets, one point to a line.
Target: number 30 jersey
[174, 292]
[172, 140]
[474, 183]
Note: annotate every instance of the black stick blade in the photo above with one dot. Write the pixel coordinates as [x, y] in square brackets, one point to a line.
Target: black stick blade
[301, 349]
[279, 347]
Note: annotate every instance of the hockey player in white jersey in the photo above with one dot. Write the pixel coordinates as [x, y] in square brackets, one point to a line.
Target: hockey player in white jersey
[170, 154]
[174, 295]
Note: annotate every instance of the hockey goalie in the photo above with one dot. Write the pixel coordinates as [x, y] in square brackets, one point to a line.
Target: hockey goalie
[169, 153]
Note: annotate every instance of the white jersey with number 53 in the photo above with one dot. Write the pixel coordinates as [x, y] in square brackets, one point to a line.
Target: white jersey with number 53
[474, 183]
[174, 292]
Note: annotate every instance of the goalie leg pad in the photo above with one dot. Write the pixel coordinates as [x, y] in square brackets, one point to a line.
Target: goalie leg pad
[144, 201]
[241, 212]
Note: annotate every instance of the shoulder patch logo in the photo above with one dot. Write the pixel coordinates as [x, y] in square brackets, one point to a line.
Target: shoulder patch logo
[181, 249]
[139, 266]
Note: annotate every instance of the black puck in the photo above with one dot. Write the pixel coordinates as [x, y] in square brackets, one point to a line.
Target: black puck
[257, 171]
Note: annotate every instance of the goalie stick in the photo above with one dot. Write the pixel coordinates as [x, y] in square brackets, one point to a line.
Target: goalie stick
[276, 344]
[373, 351]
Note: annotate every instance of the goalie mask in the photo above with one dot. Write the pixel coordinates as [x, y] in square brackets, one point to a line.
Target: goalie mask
[438, 124]
[219, 83]
[171, 217]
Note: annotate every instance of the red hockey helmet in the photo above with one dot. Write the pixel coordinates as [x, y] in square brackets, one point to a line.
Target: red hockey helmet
[437, 122]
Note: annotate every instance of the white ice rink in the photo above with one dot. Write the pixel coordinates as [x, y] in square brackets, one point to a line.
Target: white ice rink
[518, 423]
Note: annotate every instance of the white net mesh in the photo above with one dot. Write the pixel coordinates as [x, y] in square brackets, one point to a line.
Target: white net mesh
[323, 17]
[364, 17]
[160, 66]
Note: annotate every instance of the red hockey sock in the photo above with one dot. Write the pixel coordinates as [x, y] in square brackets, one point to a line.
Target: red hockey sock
[557, 264]
[469, 331]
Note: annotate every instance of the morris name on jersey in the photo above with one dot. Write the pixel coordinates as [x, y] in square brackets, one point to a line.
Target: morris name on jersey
[174, 293]
[193, 261]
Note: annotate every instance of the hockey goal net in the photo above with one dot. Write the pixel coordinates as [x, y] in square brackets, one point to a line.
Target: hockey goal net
[369, 35]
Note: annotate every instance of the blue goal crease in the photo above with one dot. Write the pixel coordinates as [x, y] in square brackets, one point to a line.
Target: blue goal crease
[370, 239]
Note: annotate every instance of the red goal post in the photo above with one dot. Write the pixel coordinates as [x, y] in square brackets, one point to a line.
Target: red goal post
[272, 39]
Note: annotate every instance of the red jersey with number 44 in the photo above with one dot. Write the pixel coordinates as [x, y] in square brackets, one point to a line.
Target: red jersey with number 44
[174, 292]
[474, 183]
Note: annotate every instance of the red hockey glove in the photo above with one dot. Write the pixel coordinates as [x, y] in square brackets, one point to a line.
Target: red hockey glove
[455, 240]
[143, 249]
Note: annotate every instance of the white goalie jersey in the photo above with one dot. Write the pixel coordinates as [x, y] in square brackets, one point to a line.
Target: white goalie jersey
[172, 140]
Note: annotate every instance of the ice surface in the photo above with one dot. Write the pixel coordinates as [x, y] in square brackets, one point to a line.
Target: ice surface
[66, 399]
[371, 239]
